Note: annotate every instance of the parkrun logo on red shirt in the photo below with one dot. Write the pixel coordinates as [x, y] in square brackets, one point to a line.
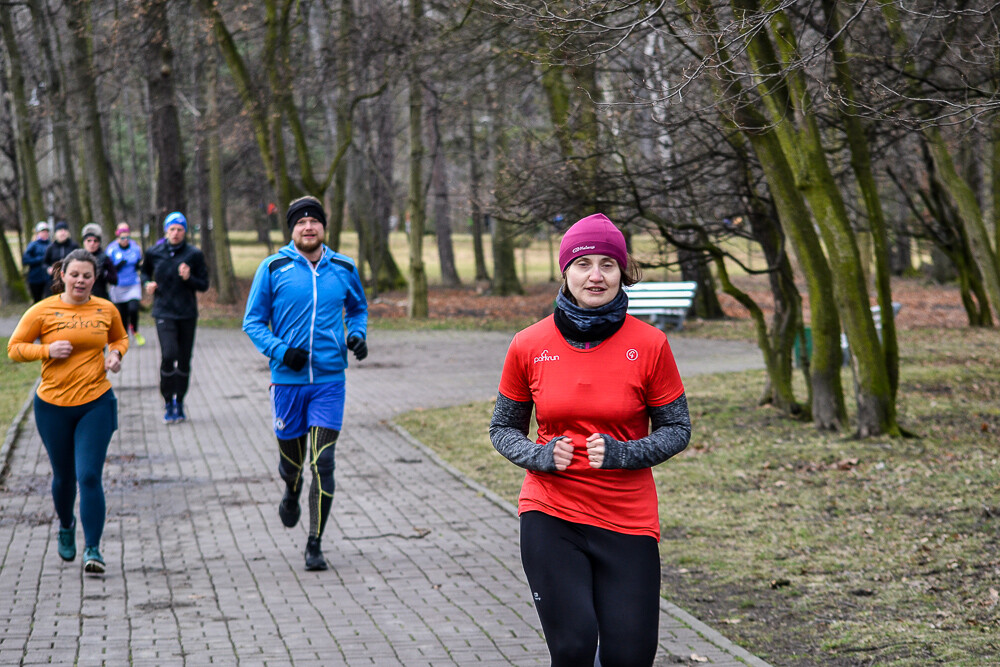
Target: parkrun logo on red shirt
[545, 356]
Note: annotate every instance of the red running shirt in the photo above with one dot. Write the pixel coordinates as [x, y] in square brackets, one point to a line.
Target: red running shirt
[601, 390]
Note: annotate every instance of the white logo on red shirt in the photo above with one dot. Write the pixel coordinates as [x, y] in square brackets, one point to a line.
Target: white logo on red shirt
[545, 356]
[632, 354]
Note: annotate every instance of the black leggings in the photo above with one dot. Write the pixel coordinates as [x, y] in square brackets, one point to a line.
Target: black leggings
[129, 310]
[592, 584]
[37, 291]
[322, 445]
[176, 345]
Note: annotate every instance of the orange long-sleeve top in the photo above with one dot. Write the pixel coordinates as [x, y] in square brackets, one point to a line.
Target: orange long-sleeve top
[89, 327]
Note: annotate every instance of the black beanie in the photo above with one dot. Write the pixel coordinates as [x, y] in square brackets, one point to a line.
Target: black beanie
[305, 208]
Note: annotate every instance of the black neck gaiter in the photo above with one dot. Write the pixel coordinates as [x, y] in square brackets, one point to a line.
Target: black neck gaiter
[590, 324]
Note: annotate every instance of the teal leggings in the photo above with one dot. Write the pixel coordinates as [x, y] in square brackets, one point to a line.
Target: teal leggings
[76, 439]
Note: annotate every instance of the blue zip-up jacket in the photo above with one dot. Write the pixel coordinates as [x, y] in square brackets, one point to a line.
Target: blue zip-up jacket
[126, 261]
[293, 305]
[34, 259]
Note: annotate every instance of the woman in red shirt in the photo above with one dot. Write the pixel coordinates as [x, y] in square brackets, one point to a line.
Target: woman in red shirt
[75, 409]
[596, 377]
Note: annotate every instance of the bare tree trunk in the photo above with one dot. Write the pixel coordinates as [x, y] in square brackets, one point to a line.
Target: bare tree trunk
[12, 284]
[359, 210]
[319, 26]
[505, 280]
[387, 275]
[171, 194]
[86, 202]
[861, 164]
[797, 129]
[78, 19]
[202, 203]
[694, 267]
[22, 124]
[228, 291]
[475, 203]
[995, 182]
[970, 215]
[57, 105]
[442, 211]
[133, 159]
[416, 204]
[958, 188]
[823, 371]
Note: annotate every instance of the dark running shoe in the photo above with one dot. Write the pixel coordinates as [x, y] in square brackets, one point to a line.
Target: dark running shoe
[289, 509]
[314, 555]
[178, 412]
[67, 542]
[169, 415]
[93, 562]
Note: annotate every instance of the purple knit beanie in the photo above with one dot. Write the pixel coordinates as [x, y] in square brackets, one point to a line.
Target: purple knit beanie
[594, 235]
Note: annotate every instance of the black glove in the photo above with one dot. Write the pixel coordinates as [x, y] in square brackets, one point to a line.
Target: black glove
[358, 345]
[296, 358]
[120, 265]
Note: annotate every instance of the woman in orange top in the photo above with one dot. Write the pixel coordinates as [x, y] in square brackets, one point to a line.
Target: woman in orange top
[75, 409]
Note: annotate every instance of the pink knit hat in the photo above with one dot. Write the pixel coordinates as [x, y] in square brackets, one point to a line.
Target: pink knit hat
[594, 235]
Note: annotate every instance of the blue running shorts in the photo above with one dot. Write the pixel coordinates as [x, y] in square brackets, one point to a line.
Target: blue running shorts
[296, 407]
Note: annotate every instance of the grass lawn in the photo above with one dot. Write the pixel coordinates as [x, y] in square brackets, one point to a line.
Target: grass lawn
[811, 548]
[18, 379]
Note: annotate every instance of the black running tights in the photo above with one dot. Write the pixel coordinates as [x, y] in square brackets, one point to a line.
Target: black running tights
[322, 445]
[595, 590]
[129, 310]
[176, 346]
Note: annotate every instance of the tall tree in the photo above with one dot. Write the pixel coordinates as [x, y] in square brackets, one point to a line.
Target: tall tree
[475, 195]
[83, 73]
[58, 108]
[503, 231]
[966, 202]
[787, 104]
[171, 195]
[23, 130]
[861, 163]
[416, 202]
[442, 209]
[223, 261]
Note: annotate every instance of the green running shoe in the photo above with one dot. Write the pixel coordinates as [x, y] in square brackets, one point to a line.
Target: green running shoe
[140, 340]
[67, 542]
[93, 562]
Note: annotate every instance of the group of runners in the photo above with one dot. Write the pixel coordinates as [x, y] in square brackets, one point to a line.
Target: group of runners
[118, 267]
[603, 387]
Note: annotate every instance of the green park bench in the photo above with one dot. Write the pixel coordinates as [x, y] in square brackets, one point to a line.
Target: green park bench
[664, 303]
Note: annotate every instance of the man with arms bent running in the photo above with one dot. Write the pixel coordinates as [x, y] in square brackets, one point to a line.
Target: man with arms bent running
[302, 300]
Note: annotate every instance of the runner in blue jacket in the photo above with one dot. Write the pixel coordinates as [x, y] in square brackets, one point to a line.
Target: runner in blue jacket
[302, 300]
[34, 260]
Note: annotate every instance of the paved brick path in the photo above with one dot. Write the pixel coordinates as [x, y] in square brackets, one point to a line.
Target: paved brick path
[425, 568]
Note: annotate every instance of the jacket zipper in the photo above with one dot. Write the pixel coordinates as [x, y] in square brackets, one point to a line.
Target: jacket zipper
[312, 323]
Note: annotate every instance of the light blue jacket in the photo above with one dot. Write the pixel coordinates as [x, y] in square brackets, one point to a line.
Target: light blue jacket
[128, 273]
[291, 304]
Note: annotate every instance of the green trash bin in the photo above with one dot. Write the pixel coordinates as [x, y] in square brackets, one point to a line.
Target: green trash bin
[803, 347]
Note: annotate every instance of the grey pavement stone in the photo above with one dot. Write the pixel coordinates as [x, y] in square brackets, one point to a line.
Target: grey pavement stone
[425, 565]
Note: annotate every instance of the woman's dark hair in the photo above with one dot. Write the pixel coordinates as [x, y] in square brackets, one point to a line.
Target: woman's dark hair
[78, 255]
[632, 274]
